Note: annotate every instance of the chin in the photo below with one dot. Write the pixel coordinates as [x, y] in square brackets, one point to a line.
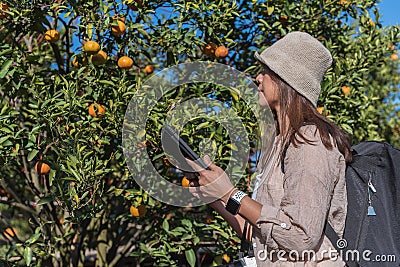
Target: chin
[262, 102]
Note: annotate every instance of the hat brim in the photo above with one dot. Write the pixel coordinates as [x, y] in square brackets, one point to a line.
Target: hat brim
[258, 57]
[270, 65]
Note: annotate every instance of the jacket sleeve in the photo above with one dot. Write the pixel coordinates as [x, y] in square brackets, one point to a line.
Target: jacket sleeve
[311, 172]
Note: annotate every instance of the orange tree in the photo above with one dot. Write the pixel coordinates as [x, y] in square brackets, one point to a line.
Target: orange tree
[67, 72]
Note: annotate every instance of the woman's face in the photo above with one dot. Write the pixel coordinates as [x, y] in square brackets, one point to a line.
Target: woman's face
[267, 90]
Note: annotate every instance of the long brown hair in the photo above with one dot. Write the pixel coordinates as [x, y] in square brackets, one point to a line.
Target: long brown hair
[300, 111]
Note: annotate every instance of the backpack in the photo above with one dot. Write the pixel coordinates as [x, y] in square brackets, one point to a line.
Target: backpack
[372, 230]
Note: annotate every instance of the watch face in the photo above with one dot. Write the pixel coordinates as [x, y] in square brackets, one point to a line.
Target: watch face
[232, 206]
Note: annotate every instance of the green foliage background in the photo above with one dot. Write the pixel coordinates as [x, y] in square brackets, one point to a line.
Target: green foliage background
[81, 208]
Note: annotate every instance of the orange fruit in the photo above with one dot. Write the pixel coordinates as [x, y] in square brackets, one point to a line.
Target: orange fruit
[221, 52]
[3, 192]
[371, 23]
[394, 57]
[118, 30]
[42, 168]
[346, 90]
[75, 62]
[125, 62]
[79, 61]
[91, 47]
[99, 58]
[96, 110]
[10, 232]
[149, 69]
[3, 7]
[284, 18]
[142, 144]
[321, 110]
[138, 211]
[99, 143]
[209, 219]
[185, 182]
[166, 162]
[68, 129]
[52, 36]
[161, 41]
[168, 216]
[391, 47]
[209, 49]
[226, 258]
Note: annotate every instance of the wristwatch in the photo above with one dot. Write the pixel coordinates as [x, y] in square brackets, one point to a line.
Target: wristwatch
[233, 203]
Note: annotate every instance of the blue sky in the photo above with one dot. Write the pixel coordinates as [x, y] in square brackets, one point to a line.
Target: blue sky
[390, 12]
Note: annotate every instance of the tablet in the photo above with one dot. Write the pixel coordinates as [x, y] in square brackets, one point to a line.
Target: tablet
[171, 141]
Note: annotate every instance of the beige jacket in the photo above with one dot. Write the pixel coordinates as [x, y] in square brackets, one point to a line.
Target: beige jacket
[296, 204]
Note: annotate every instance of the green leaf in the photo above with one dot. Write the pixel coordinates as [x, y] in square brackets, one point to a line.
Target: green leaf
[118, 191]
[44, 200]
[141, 134]
[52, 174]
[143, 247]
[3, 139]
[190, 257]
[4, 69]
[99, 172]
[107, 82]
[28, 255]
[165, 225]
[6, 51]
[32, 154]
[33, 239]
[84, 194]
[187, 223]
[270, 10]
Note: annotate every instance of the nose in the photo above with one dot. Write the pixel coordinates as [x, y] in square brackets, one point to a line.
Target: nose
[259, 78]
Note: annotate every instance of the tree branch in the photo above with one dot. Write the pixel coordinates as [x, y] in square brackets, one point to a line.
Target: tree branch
[59, 59]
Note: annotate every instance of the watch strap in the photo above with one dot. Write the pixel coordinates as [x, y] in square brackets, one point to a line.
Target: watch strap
[233, 203]
[238, 196]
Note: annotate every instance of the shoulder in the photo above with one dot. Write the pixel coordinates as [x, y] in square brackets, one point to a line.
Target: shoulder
[310, 133]
[311, 157]
[310, 150]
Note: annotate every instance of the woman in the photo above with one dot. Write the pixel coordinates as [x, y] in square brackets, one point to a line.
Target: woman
[291, 203]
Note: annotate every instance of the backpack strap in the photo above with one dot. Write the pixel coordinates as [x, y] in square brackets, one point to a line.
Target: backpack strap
[335, 240]
[243, 240]
[332, 235]
[283, 157]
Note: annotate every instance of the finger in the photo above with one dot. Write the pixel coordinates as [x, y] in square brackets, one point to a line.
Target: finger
[208, 162]
[190, 175]
[194, 165]
[200, 181]
[194, 183]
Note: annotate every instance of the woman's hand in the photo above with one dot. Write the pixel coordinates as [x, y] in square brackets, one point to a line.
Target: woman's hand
[212, 184]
